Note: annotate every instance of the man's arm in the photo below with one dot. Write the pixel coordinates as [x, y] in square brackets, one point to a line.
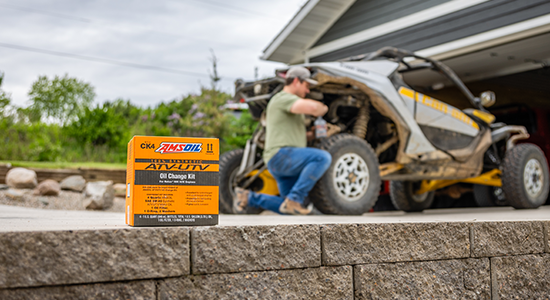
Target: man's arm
[309, 107]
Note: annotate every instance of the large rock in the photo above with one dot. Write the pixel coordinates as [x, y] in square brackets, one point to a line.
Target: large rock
[315, 283]
[14, 194]
[73, 183]
[120, 189]
[99, 195]
[48, 187]
[21, 178]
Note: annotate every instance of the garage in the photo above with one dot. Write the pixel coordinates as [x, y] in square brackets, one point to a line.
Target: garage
[497, 45]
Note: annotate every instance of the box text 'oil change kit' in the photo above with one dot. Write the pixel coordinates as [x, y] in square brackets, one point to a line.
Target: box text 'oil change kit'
[172, 181]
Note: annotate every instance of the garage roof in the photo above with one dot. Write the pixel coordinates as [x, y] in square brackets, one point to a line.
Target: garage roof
[307, 26]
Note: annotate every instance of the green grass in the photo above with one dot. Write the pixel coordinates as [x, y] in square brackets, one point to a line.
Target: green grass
[64, 165]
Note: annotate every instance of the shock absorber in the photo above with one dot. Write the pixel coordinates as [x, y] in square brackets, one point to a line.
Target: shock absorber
[360, 127]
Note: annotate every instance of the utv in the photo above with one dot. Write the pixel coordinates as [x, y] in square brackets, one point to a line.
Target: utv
[380, 128]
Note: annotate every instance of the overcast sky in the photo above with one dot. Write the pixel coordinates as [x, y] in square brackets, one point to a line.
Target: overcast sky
[171, 35]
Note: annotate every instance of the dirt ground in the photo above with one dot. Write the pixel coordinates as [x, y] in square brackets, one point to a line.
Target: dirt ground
[66, 200]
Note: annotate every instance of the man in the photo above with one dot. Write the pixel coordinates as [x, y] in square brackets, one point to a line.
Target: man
[295, 167]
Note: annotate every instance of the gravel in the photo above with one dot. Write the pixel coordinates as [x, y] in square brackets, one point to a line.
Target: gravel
[66, 200]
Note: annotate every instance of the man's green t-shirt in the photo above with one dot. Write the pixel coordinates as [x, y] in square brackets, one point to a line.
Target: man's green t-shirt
[283, 128]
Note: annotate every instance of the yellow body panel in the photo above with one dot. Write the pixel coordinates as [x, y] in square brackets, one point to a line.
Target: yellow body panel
[270, 184]
[486, 117]
[438, 105]
[491, 178]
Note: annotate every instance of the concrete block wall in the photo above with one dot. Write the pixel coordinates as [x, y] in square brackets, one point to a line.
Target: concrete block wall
[475, 260]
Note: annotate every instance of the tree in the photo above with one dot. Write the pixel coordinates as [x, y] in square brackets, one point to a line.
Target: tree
[206, 117]
[214, 78]
[4, 97]
[98, 126]
[62, 98]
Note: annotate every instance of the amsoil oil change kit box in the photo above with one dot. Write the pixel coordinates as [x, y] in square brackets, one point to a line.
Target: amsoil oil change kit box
[172, 181]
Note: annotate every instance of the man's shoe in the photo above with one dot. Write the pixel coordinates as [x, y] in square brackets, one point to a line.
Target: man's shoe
[240, 201]
[293, 208]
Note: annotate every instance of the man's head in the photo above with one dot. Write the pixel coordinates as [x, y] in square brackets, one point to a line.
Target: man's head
[298, 80]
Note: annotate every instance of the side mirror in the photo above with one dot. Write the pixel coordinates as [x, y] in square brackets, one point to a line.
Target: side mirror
[487, 98]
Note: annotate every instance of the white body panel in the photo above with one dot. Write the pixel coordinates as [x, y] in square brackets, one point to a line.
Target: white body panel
[410, 103]
[434, 113]
[384, 68]
[375, 75]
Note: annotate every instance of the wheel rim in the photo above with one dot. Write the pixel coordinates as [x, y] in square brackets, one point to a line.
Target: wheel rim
[233, 183]
[533, 177]
[499, 197]
[418, 198]
[351, 176]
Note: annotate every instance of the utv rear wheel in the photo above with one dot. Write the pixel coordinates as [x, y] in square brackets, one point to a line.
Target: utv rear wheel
[403, 197]
[487, 196]
[230, 163]
[525, 176]
[351, 184]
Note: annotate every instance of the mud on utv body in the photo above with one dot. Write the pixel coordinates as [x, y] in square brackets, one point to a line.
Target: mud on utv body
[382, 129]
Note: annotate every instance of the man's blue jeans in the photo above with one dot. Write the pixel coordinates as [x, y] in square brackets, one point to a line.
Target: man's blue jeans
[296, 171]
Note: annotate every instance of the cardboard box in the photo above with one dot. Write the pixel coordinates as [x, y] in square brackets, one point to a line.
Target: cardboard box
[172, 181]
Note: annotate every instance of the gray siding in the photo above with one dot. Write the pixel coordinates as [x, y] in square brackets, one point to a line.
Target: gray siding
[470, 21]
[365, 14]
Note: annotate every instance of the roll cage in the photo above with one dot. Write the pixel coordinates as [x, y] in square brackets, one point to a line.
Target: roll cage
[399, 55]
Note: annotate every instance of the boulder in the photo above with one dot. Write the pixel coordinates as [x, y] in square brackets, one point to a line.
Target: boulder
[4, 186]
[21, 178]
[99, 195]
[15, 194]
[44, 200]
[73, 183]
[48, 187]
[120, 190]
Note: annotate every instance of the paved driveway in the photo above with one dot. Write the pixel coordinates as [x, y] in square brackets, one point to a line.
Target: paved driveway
[14, 218]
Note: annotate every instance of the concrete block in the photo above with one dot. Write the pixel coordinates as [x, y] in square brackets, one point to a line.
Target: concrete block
[315, 283]
[507, 238]
[444, 279]
[107, 291]
[521, 277]
[72, 257]
[345, 244]
[546, 237]
[254, 248]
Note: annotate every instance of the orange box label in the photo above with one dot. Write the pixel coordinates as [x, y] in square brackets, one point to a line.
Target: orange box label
[172, 181]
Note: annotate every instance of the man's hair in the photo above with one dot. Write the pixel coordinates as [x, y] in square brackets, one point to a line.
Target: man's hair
[290, 80]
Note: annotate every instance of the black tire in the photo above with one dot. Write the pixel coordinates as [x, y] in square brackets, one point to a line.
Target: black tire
[229, 165]
[328, 195]
[525, 162]
[487, 196]
[403, 197]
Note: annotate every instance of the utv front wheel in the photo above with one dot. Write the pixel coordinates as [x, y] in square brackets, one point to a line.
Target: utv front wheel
[351, 184]
[230, 163]
[403, 196]
[525, 176]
